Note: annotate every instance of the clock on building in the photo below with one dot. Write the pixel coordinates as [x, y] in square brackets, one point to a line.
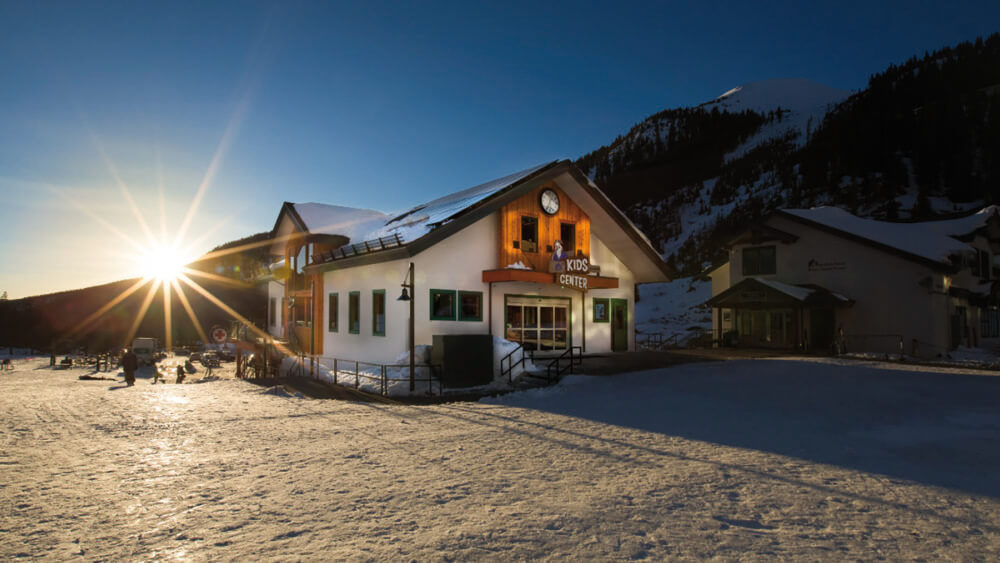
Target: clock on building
[549, 201]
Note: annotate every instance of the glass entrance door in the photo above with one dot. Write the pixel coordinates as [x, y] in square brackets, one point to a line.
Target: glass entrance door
[538, 323]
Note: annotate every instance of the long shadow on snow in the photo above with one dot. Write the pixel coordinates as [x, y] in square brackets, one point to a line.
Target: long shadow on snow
[933, 428]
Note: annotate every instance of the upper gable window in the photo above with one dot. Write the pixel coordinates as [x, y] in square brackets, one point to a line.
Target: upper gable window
[529, 233]
[759, 261]
[300, 260]
[982, 264]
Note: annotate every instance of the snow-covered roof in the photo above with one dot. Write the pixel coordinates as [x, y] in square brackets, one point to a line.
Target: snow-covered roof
[353, 223]
[418, 221]
[361, 225]
[794, 291]
[933, 240]
[801, 293]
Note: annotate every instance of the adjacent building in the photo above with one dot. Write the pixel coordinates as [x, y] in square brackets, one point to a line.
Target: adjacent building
[541, 257]
[822, 278]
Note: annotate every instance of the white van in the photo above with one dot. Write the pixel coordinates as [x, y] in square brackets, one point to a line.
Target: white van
[144, 349]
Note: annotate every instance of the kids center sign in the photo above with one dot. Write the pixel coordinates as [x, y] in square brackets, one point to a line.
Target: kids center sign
[570, 271]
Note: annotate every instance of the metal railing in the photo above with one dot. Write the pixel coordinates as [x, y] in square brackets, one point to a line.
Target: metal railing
[887, 345]
[511, 364]
[341, 371]
[571, 359]
[366, 247]
[658, 341]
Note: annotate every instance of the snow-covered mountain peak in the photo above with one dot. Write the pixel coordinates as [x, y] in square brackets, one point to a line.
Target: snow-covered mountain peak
[796, 94]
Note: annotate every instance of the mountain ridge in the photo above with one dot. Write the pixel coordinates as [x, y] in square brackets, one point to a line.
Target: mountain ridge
[913, 144]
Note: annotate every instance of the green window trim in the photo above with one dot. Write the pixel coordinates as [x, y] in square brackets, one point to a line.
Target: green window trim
[454, 304]
[479, 314]
[606, 317]
[354, 312]
[375, 330]
[333, 324]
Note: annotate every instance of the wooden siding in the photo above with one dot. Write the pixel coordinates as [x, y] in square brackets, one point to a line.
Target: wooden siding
[548, 228]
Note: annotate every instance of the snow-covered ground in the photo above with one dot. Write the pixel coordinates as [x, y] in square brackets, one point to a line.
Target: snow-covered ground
[673, 309]
[789, 459]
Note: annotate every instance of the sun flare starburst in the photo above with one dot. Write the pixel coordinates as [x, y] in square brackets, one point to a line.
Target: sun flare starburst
[162, 262]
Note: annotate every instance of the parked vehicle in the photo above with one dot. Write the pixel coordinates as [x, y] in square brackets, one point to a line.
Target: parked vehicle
[195, 357]
[145, 349]
[210, 359]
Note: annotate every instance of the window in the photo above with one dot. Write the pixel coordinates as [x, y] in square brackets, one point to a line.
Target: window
[272, 311]
[982, 264]
[354, 312]
[759, 261]
[378, 312]
[470, 306]
[302, 311]
[300, 260]
[529, 233]
[600, 310]
[537, 323]
[567, 234]
[989, 323]
[334, 312]
[442, 305]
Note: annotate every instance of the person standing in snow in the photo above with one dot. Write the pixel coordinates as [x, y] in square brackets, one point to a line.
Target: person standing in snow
[130, 363]
[180, 373]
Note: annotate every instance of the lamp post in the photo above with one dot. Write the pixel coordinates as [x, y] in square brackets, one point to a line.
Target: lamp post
[404, 296]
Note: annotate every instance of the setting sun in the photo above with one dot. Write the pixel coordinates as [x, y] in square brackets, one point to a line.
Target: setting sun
[161, 262]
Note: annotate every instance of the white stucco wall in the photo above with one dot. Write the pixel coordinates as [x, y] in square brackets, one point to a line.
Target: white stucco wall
[457, 264]
[720, 282]
[276, 326]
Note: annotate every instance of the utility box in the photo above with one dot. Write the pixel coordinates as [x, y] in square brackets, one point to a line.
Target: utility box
[466, 360]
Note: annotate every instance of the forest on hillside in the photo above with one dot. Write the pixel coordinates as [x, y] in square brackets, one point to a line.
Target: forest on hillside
[925, 130]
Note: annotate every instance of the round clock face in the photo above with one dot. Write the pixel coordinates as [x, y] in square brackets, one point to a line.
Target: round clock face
[550, 202]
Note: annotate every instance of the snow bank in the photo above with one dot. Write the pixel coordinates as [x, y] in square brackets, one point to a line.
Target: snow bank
[674, 309]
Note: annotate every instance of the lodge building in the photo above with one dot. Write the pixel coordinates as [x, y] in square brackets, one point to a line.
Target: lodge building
[541, 257]
[821, 279]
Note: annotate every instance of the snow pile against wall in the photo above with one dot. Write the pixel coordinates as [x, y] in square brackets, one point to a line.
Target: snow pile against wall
[502, 347]
[367, 377]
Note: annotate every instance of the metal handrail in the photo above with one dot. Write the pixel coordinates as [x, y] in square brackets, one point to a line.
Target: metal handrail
[379, 374]
[574, 360]
[512, 364]
[365, 247]
[656, 341]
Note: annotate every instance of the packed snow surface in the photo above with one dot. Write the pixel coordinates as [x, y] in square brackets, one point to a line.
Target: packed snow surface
[776, 459]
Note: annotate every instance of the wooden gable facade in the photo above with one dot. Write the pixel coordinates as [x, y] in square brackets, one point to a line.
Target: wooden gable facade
[514, 244]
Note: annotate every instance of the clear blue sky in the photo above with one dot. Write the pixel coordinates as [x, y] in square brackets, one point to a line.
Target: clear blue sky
[368, 105]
